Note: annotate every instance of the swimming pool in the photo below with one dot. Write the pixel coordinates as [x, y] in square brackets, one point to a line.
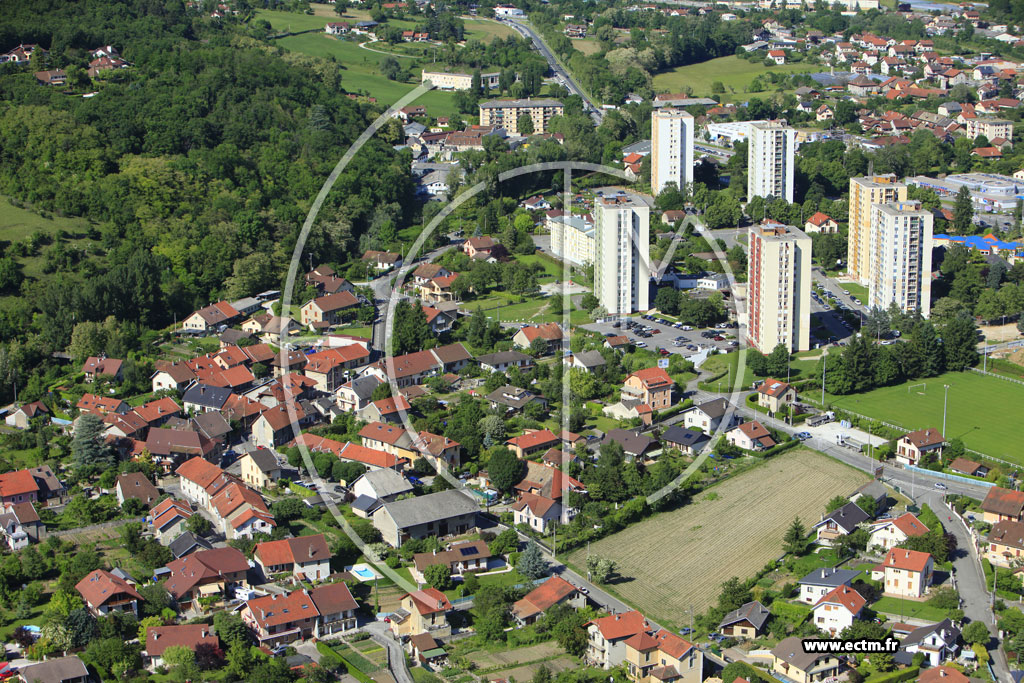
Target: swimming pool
[363, 573]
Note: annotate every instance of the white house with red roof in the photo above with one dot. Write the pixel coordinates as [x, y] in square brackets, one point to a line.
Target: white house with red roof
[838, 609]
[821, 222]
[104, 592]
[774, 395]
[281, 619]
[220, 313]
[554, 591]
[606, 638]
[905, 573]
[650, 386]
[305, 557]
[889, 533]
[549, 332]
[532, 441]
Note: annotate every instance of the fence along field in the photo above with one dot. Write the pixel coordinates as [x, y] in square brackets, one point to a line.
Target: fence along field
[678, 559]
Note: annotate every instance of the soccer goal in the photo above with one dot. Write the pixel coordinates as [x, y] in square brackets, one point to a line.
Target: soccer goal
[923, 386]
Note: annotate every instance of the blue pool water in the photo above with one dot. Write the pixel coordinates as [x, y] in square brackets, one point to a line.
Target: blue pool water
[363, 573]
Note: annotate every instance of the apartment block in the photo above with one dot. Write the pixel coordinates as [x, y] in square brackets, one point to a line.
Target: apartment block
[622, 252]
[900, 257]
[671, 148]
[572, 238]
[447, 80]
[779, 288]
[864, 192]
[770, 153]
[990, 128]
[506, 113]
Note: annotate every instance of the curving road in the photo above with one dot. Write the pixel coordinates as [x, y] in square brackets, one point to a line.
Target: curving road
[563, 75]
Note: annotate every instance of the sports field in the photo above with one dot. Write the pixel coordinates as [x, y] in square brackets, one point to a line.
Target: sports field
[361, 71]
[679, 559]
[981, 409]
[733, 72]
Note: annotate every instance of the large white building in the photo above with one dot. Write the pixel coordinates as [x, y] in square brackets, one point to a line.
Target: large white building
[572, 238]
[865, 193]
[770, 160]
[622, 254]
[671, 148]
[900, 267]
[778, 288]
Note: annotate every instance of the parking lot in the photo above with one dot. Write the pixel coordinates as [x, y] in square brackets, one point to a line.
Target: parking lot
[664, 335]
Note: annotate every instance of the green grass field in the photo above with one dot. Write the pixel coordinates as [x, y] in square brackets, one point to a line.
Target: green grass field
[728, 362]
[17, 224]
[909, 608]
[361, 70]
[552, 268]
[292, 21]
[587, 46]
[976, 412]
[734, 73]
[486, 30]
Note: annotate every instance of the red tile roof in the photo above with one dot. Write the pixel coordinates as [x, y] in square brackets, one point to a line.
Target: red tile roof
[548, 331]
[910, 525]
[20, 482]
[99, 586]
[203, 566]
[845, 596]
[617, 626]
[278, 610]
[924, 438]
[159, 638]
[429, 601]
[911, 560]
[541, 437]
[653, 378]
[772, 387]
[293, 550]
[199, 471]
[819, 218]
[350, 451]
[546, 595]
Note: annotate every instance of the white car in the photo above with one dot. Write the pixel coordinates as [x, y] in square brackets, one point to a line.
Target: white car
[687, 328]
[641, 345]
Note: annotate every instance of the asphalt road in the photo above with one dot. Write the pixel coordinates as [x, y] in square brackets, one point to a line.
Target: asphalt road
[563, 76]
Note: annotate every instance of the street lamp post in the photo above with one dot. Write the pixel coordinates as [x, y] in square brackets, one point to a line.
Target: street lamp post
[945, 403]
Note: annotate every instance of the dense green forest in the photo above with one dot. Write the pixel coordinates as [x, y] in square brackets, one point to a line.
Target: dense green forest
[195, 167]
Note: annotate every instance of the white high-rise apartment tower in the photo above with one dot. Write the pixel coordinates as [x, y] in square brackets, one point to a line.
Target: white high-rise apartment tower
[671, 148]
[621, 254]
[900, 253]
[778, 288]
[770, 150]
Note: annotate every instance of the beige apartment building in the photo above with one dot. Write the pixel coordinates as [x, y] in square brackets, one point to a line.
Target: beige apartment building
[779, 287]
[864, 192]
[447, 80]
[671, 148]
[770, 160]
[990, 128]
[900, 257]
[572, 238]
[506, 113]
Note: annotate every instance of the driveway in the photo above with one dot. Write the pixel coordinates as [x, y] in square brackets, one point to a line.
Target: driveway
[379, 631]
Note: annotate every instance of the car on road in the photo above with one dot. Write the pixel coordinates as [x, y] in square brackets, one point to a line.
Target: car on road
[803, 436]
[941, 486]
[846, 292]
[857, 301]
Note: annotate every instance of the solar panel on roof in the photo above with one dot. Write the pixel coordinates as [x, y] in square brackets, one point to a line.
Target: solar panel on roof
[467, 551]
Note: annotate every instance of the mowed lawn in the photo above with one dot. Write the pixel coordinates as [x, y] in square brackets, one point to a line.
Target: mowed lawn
[679, 559]
[731, 71]
[980, 410]
[361, 71]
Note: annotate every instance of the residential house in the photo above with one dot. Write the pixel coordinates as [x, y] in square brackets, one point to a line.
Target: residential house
[1005, 543]
[306, 557]
[241, 512]
[662, 657]
[968, 467]
[260, 469]
[168, 446]
[214, 315]
[382, 260]
[551, 333]
[710, 415]
[606, 638]
[750, 436]
[441, 450]
[195, 476]
[686, 441]
[746, 621]
[617, 342]
[168, 519]
[277, 426]
[889, 533]
[386, 410]
[651, 386]
[135, 485]
[938, 642]
[206, 573]
[201, 398]
[104, 592]
[18, 487]
[461, 558]
[944, 674]
[337, 608]
[533, 441]
[514, 399]
[422, 611]
[821, 222]
[22, 416]
[821, 582]
[436, 514]
[588, 361]
[278, 619]
[354, 452]
[56, 77]
[192, 636]
[101, 366]
[484, 245]
[354, 395]
[428, 651]
[187, 543]
[69, 669]
[175, 376]
[102, 405]
[1000, 504]
[439, 289]
[330, 368]
[912, 446]
[393, 439]
[14, 534]
[328, 309]
[906, 573]
[382, 484]
[840, 522]
[837, 610]
[791, 660]
[774, 395]
[438, 320]
[635, 446]
[777, 56]
[503, 361]
[554, 591]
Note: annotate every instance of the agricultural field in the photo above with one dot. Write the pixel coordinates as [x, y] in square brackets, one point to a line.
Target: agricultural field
[734, 73]
[295, 21]
[919, 404]
[678, 559]
[361, 70]
[522, 663]
[486, 30]
[587, 46]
